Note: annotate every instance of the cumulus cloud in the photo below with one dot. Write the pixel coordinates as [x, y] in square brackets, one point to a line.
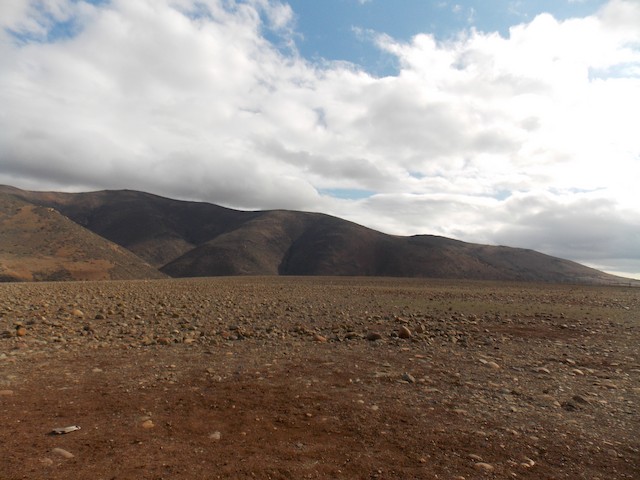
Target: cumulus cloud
[528, 140]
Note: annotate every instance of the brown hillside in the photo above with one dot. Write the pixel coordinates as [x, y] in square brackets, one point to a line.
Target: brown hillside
[188, 239]
[38, 243]
[156, 229]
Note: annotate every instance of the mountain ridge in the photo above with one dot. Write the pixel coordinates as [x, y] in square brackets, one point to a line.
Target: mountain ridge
[186, 239]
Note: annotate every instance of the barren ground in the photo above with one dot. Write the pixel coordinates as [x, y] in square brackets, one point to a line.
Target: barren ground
[281, 378]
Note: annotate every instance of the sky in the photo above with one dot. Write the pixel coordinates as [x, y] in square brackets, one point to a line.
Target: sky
[504, 122]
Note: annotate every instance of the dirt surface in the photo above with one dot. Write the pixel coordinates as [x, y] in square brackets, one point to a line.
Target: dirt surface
[292, 378]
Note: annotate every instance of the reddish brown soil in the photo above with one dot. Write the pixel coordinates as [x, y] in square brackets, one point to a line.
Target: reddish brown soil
[275, 378]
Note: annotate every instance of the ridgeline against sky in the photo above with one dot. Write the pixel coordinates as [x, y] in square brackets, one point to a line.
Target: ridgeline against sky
[506, 122]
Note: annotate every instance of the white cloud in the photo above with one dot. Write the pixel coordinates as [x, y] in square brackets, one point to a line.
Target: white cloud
[528, 140]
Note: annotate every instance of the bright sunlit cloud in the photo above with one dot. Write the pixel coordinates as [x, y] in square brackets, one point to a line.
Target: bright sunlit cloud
[524, 136]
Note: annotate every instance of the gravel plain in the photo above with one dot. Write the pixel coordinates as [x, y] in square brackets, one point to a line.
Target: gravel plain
[331, 377]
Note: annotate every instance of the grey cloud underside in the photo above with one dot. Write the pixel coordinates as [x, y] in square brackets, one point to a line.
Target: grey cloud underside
[483, 138]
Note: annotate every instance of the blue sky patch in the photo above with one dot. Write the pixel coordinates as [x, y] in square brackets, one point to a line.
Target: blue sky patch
[342, 30]
[346, 193]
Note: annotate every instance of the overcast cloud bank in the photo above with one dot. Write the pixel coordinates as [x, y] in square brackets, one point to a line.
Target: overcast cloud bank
[528, 141]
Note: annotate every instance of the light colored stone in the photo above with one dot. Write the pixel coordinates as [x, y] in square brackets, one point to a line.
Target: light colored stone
[404, 333]
[484, 467]
[319, 338]
[147, 424]
[62, 452]
[528, 463]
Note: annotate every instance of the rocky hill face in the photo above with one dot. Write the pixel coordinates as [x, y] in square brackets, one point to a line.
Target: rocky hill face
[39, 243]
[187, 239]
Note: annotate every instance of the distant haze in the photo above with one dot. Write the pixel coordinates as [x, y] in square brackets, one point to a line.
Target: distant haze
[499, 123]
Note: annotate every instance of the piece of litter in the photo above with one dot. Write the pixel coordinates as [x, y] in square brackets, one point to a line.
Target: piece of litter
[63, 430]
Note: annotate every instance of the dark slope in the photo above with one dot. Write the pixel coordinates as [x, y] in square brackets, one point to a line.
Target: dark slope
[186, 239]
[295, 243]
[156, 229]
[38, 243]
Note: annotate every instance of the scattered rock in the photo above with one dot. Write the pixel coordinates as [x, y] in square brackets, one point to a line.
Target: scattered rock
[527, 463]
[484, 467]
[570, 406]
[64, 430]
[610, 385]
[542, 370]
[147, 424]
[580, 399]
[404, 333]
[530, 373]
[351, 336]
[407, 377]
[319, 338]
[62, 452]
[77, 313]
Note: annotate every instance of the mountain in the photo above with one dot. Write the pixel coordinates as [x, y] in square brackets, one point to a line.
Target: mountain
[184, 239]
[38, 243]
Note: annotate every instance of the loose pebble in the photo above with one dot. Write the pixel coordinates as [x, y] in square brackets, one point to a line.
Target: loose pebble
[147, 424]
[407, 377]
[404, 333]
[62, 452]
[484, 467]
